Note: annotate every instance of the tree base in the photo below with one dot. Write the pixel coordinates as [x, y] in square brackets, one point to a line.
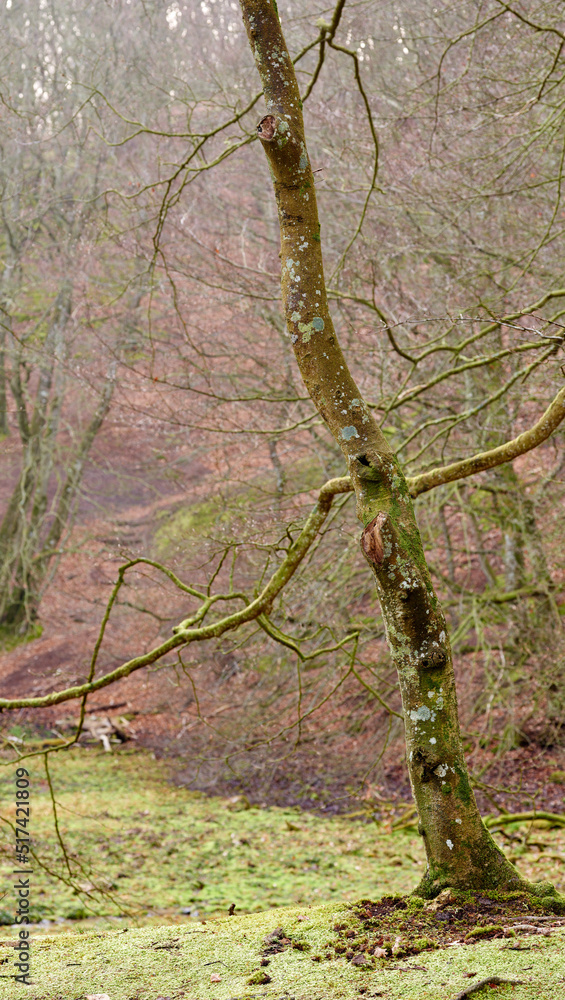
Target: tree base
[543, 894]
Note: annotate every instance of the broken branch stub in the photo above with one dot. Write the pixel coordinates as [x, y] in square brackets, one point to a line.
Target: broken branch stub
[267, 128]
[372, 540]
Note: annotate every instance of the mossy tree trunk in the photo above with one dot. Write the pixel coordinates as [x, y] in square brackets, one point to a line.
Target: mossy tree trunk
[461, 853]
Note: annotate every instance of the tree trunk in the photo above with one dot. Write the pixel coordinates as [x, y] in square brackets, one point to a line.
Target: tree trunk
[29, 550]
[461, 853]
[4, 425]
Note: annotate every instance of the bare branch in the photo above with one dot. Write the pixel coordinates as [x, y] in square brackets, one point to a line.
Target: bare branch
[529, 439]
[184, 634]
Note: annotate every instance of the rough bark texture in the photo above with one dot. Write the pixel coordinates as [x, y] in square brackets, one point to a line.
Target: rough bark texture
[461, 853]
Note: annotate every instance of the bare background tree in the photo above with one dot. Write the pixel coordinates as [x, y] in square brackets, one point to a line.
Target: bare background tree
[442, 228]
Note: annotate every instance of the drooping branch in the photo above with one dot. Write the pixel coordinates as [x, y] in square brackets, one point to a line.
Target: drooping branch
[185, 633]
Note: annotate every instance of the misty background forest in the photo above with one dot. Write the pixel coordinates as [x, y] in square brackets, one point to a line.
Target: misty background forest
[160, 456]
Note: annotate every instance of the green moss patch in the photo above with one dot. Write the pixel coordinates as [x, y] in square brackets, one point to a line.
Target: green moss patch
[223, 959]
[489, 931]
[140, 847]
[10, 638]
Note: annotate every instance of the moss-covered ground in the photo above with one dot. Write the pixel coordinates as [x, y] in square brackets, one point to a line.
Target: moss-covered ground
[222, 959]
[140, 851]
[141, 846]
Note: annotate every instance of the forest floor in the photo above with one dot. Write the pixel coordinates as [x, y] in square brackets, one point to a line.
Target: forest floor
[138, 908]
[226, 959]
[343, 761]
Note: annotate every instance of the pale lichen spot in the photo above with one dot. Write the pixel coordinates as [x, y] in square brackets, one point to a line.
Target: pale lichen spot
[349, 432]
[306, 329]
[295, 316]
[423, 713]
[303, 162]
[318, 323]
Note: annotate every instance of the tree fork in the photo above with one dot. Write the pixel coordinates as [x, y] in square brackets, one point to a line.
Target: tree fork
[461, 852]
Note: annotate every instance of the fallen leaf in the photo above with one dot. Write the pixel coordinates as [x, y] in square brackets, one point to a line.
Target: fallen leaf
[97, 996]
[214, 978]
[361, 960]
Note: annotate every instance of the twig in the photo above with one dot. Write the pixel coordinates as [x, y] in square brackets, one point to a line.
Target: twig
[489, 981]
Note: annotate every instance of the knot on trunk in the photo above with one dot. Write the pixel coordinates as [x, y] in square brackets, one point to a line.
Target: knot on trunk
[432, 656]
[426, 763]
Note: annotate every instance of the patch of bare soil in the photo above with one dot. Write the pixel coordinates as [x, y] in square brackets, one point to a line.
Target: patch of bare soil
[396, 927]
